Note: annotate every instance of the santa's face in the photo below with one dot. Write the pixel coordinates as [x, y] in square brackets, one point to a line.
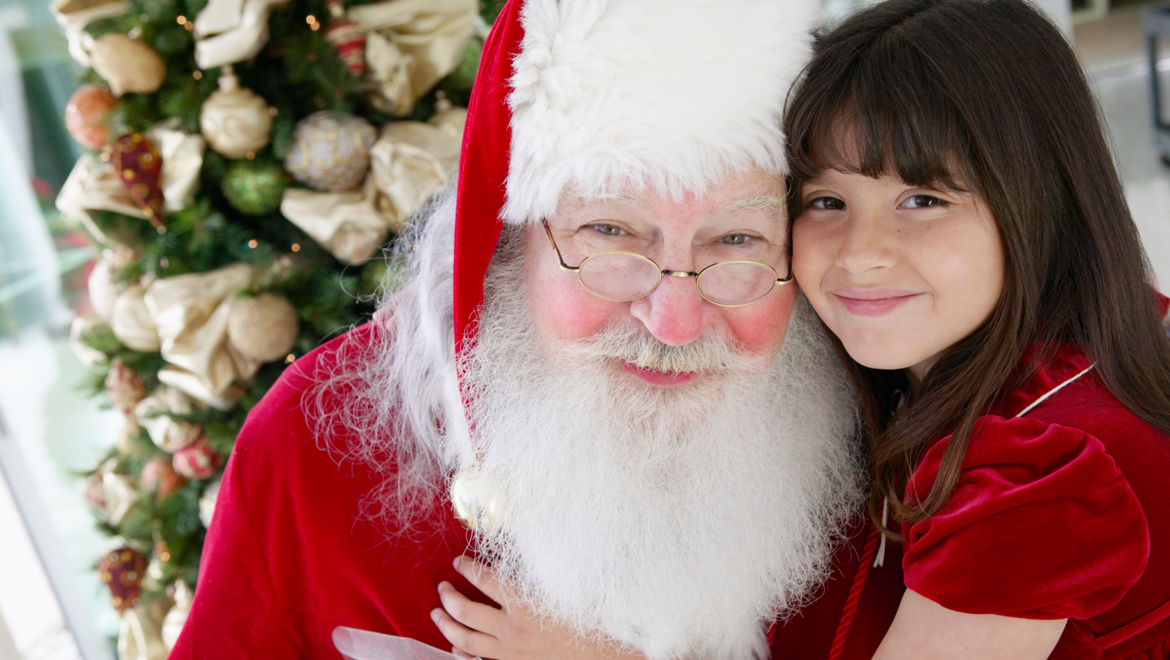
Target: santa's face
[673, 518]
[741, 218]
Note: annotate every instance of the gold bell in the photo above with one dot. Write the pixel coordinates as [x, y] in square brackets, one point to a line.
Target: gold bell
[476, 503]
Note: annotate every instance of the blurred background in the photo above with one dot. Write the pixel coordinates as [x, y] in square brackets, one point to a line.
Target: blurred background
[76, 487]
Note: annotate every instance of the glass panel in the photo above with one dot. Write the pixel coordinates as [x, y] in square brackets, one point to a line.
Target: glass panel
[619, 275]
[56, 607]
[736, 283]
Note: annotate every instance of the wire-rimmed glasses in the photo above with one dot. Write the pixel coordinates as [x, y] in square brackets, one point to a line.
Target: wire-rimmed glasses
[626, 276]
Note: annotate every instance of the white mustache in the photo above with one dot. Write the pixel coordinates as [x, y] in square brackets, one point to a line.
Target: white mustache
[713, 352]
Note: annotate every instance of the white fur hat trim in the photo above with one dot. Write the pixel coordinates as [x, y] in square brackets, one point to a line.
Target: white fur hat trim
[674, 95]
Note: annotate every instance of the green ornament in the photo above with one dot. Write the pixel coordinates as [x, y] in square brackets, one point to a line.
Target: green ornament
[254, 187]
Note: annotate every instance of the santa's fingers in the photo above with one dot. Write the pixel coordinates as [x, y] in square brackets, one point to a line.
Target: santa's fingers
[466, 643]
[476, 616]
[482, 578]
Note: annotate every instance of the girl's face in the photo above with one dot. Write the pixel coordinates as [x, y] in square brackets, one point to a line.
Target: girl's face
[898, 273]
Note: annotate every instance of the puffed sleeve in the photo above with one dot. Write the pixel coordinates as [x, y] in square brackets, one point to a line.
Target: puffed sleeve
[1041, 525]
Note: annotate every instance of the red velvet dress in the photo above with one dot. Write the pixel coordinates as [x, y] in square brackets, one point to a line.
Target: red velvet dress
[288, 558]
[1061, 512]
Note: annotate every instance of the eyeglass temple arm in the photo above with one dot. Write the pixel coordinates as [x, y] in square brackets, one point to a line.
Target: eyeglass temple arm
[785, 280]
[564, 266]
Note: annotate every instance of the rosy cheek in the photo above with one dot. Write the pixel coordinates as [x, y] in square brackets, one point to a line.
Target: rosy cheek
[760, 327]
[562, 309]
[574, 314]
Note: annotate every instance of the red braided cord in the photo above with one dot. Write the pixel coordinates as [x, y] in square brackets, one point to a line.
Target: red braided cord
[854, 598]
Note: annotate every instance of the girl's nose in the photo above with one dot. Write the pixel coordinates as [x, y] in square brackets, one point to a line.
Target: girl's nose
[865, 242]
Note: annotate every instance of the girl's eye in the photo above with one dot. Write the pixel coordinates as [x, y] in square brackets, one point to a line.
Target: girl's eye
[826, 203]
[608, 230]
[921, 202]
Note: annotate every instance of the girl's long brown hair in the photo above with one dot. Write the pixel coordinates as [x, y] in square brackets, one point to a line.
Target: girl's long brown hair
[986, 96]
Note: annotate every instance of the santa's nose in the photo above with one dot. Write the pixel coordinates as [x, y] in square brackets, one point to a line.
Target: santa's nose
[674, 313]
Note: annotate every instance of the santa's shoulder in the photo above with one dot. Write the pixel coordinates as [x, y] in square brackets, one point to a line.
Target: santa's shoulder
[288, 428]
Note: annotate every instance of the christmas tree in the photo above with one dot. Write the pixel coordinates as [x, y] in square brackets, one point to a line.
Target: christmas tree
[248, 160]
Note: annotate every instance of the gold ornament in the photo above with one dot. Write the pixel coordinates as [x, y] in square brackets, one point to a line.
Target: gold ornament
[477, 503]
[263, 328]
[127, 65]
[235, 120]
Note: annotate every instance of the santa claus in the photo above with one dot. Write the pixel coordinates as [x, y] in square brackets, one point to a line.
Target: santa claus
[592, 372]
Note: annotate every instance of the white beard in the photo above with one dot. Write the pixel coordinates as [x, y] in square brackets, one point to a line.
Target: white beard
[677, 521]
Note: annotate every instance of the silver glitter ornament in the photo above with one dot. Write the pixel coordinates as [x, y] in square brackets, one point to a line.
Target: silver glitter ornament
[331, 151]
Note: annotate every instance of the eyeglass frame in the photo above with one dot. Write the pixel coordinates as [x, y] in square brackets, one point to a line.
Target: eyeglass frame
[779, 281]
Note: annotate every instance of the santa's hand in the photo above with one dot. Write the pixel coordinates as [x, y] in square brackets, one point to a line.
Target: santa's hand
[510, 632]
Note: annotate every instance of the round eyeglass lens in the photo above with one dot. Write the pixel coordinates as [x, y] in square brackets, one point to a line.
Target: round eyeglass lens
[619, 275]
[736, 282]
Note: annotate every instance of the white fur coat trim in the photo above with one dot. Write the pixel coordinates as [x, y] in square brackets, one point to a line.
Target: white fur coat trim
[672, 95]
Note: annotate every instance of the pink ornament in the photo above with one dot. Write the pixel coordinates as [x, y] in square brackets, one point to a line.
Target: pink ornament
[125, 387]
[160, 479]
[95, 491]
[197, 460]
[87, 115]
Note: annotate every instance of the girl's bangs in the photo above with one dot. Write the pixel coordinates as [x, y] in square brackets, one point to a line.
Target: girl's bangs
[888, 113]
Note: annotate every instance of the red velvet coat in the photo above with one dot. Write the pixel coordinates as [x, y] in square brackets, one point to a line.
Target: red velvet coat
[287, 559]
[1061, 512]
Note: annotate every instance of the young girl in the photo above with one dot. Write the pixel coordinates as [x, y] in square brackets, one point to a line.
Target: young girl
[961, 230]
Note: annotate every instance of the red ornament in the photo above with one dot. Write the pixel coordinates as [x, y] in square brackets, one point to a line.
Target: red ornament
[139, 166]
[87, 115]
[347, 37]
[160, 479]
[122, 570]
[197, 460]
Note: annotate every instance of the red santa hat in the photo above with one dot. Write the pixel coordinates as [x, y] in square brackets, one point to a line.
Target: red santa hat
[601, 95]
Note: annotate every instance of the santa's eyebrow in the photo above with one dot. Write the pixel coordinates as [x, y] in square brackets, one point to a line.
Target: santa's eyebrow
[620, 196]
[756, 203]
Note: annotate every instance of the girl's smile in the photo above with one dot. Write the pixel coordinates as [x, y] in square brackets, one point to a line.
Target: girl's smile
[899, 273]
[872, 302]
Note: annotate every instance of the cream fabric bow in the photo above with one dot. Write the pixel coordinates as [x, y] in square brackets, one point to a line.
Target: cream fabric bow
[190, 313]
[229, 31]
[74, 15]
[140, 635]
[411, 45]
[408, 163]
[93, 184]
